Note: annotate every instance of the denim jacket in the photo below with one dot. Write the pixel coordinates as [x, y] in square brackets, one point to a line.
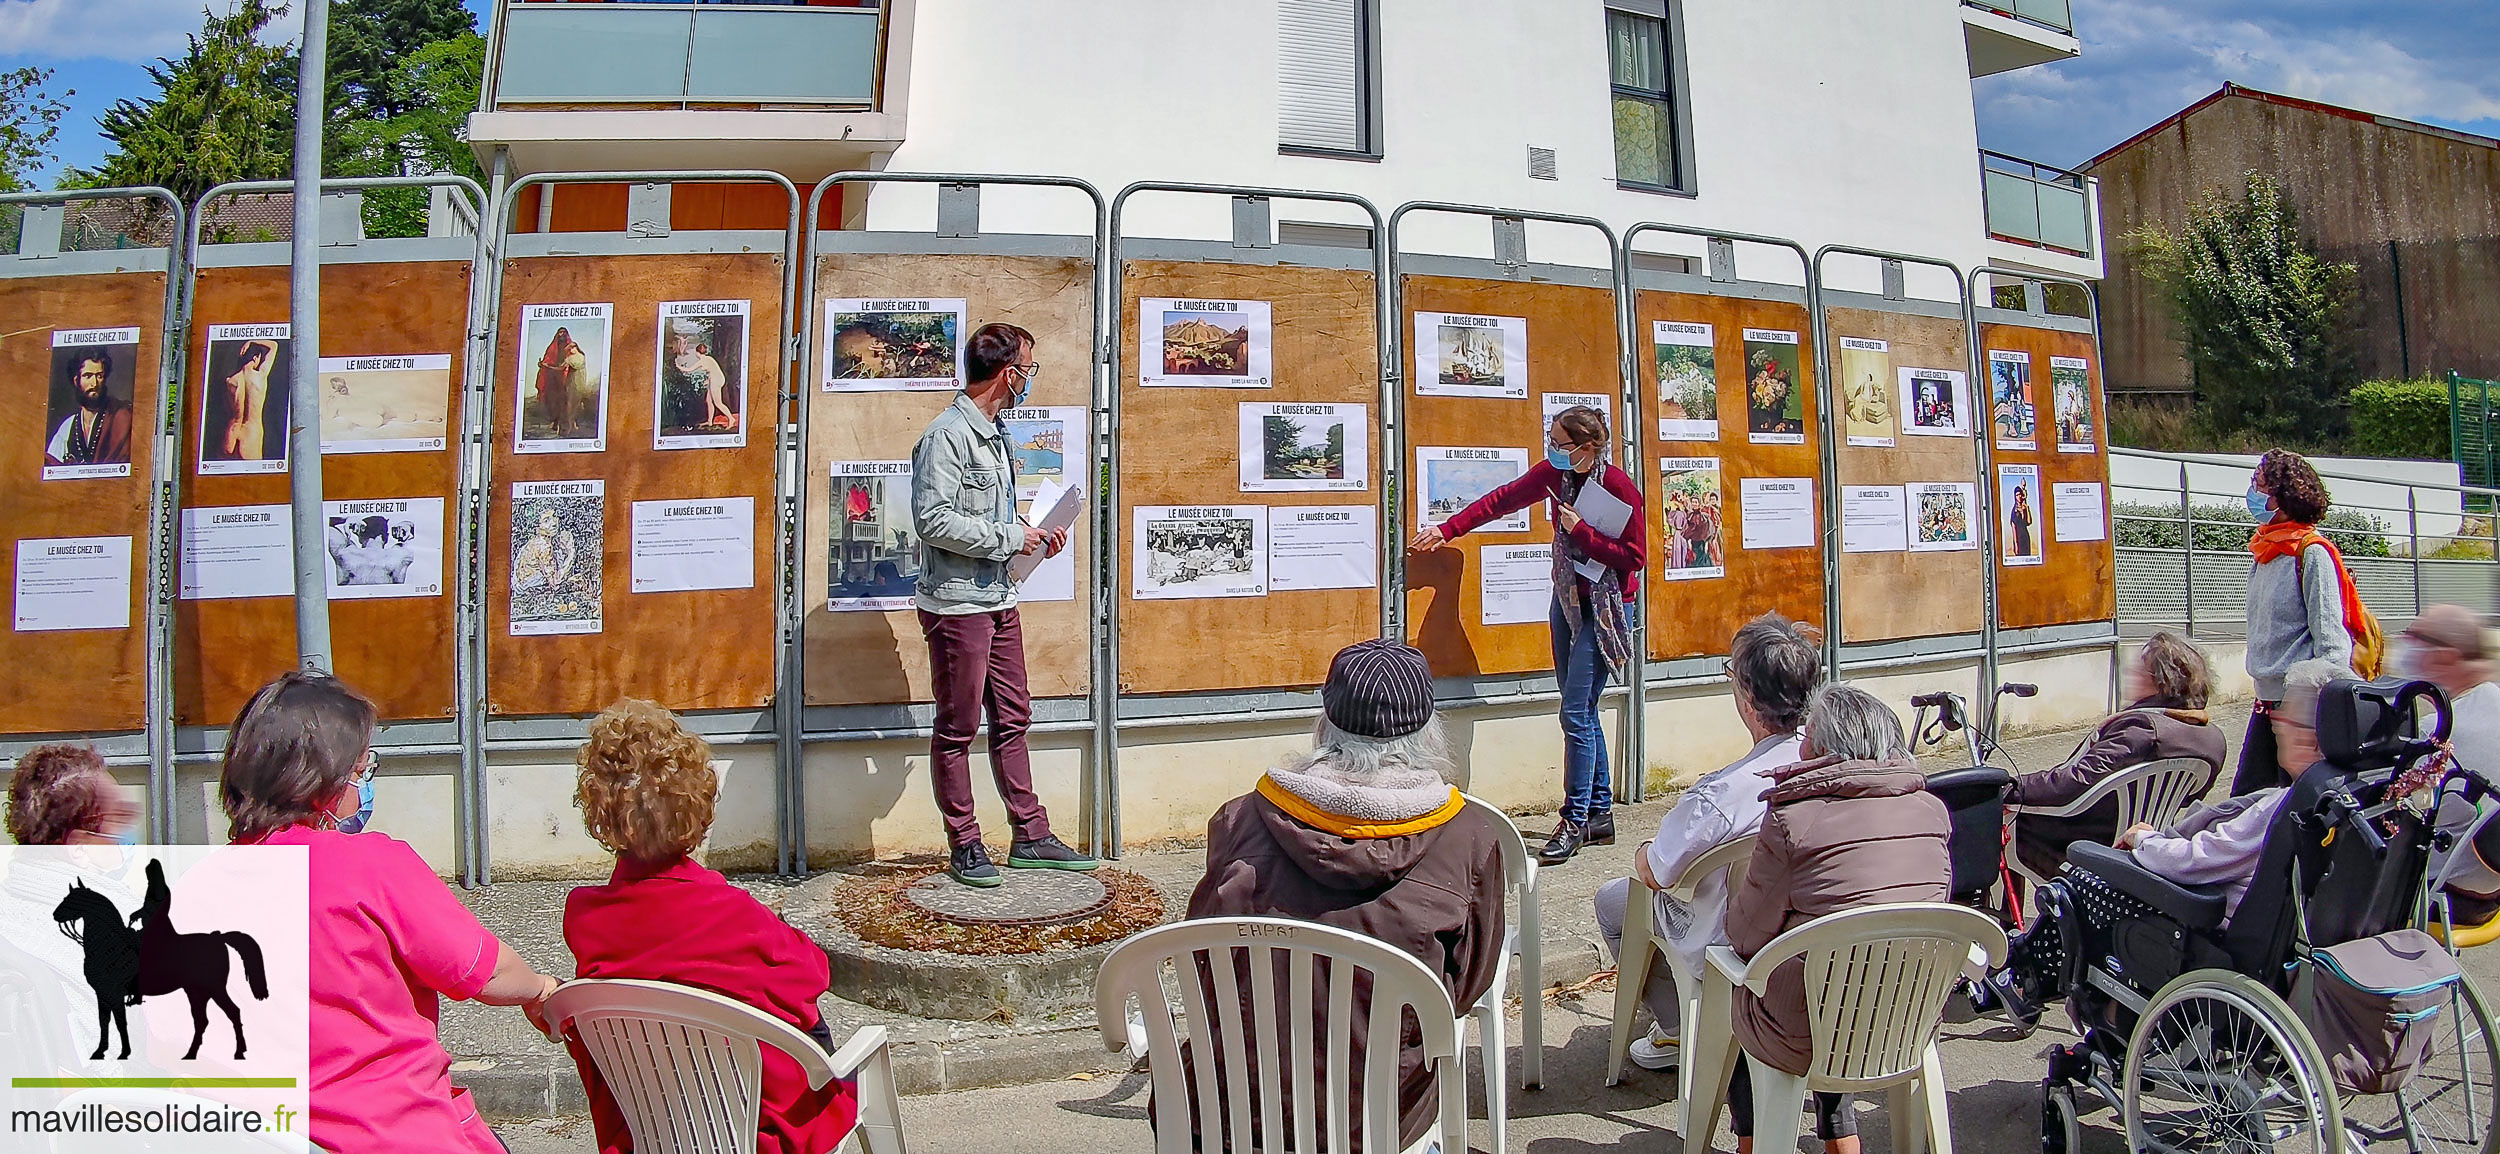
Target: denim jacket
[963, 505]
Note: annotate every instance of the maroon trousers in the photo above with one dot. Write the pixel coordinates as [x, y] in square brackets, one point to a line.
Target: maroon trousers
[977, 661]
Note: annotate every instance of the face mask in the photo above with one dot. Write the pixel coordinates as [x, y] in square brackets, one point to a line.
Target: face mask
[364, 809]
[1016, 399]
[1558, 458]
[2260, 506]
[129, 836]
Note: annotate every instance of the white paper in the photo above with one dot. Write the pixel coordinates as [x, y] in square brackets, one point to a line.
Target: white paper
[71, 583]
[1323, 547]
[1555, 403]
[702, 543]
[245, 361]
[1518, 583]
[2077, 514]
[699, 390]
[1934, 403]
[2019, 510]
[2012, 406]
[1944, 516]
[1688, 380]
[1051, 578]
[1189, 551]
[887, 344]
[76, 355]
[1866, 392]
[1053, 507]
[395, 404]
[1874, 519]
[1776, 512]
[1044, 441]
[561, 402]
[1305, 448]
[558, 560]
[1449, 479]
[391, 547]
[1464, 355]
[1607, 514]
[237, 551]
[1693, 518]
[874, 542]
[1206, 344]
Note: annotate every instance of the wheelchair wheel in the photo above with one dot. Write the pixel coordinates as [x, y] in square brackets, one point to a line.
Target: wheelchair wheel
[2451, 1103]
[2060, 1131]
[2218, 1063]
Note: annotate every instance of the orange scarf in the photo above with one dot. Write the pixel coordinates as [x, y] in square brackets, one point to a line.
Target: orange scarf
[2289, 539]
[2281, 539]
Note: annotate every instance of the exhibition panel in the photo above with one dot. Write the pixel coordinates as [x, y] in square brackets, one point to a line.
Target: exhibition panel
[1911, 562]
[2056, 563]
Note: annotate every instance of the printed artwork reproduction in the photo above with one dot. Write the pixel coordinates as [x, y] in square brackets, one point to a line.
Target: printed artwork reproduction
[1775, 395]
[893, 345]
[1200, 551]
[1304, 448]
[1461, 355]
[243, 399]
[1040, 440]
[1207, 344]
[1941, 516]
[874, 559]
[1935, 403]
[562, 404]
[92, 409]
[700, 398]
[1696, 518]
[385, 404]
[2017, 420]
[559, 547]
[1866, 391]
[2020, 506]
[1688, 381]
[1448, 480]
[384, 548]
[2070, 394]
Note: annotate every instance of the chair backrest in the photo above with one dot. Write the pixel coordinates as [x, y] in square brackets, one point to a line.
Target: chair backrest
[1518, 869]
[1876, 979]
[2154, 793]
[685, 1066]
[1207, 958]
[1733, 855]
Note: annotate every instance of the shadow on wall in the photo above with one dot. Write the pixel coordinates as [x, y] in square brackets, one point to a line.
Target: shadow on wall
[1439, 632]
[847, 794]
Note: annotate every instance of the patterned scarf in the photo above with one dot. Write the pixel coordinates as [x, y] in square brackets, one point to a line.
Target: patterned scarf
[1614, 625]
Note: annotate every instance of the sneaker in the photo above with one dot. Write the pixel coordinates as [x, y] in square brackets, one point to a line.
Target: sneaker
[970, 864]
[1599, 829]
[1566, 841]
[1049, 853]
[1657, 1051]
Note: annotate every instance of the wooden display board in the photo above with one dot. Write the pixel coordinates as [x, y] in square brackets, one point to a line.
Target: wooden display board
[866, 657]
[1697, 616]
[1894, 595]
[2076, 581]
[75, 680]
[1571, 349]
[1179, 446]
[710, 649]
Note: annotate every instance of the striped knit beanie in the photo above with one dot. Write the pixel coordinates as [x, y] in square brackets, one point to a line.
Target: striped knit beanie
[1378, 689]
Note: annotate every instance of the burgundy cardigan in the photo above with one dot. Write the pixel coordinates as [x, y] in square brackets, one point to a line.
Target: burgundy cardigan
[1625, 554]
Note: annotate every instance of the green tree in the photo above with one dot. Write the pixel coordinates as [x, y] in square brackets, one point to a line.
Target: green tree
[1282, 438]
[224, 111]
[432, 90]
[372, 43]
[30, 119]
[2264, 319]
[1336, 443]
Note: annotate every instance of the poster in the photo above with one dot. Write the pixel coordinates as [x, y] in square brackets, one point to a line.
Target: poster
[1305, 448]
[385, 404]
[1055, 578]
[1696, 518]
[2077, 512]
[71, 583]
[1039, 439]
[874, 346]
[1208, 344]
[875, 545]
[1944, 514]
[1874, 519]
[1776, 512]
[1775, 395]
[91, 413]
[561, 405]
[1935, 403]
[1518, 584]
[243, 399]
[2070, 392]
[1448, 480]
[2018, 513]
[2016, 419]
[686, 545]
[1460, 355]
[1554, 405]
[559, 547]
[392, 547]
[1186, 551]
[1688, 381]
[236, 551]
[1323, 547]
[699, 399]
[1866, 391]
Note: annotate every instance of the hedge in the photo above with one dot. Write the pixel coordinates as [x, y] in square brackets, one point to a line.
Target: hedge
[2226, 528]
[2407, 419]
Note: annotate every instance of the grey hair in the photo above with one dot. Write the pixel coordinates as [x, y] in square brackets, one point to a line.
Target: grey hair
[1845, 721]
[1775, 663]
[2302, 683]
[1352, 756]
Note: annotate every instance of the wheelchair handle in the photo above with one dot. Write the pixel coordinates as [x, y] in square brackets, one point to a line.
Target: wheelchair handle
[1930, 700]
[2018, 689]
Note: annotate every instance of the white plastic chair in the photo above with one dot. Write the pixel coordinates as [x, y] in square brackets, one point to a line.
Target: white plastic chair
[1524, 940]
[686, 1066]
[1875, 981]
[1135, 1013]
[2154, 793]
[1644, 946]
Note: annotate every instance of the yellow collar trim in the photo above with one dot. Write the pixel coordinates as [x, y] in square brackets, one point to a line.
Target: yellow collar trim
[1326, 822]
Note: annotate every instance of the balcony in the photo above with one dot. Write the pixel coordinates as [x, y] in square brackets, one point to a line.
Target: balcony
[2004, 35]
[2042, 217]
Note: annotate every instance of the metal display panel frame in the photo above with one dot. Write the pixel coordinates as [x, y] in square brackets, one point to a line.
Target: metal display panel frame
[39, 255]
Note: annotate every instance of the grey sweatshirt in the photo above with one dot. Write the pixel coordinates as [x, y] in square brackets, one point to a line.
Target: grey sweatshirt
[2295, 612]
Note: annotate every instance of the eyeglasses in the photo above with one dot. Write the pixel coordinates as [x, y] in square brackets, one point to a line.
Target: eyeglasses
[364, 769]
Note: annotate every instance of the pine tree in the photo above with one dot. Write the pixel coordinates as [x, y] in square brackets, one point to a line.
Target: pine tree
[373, 41]
[224, 111]
[30, 119]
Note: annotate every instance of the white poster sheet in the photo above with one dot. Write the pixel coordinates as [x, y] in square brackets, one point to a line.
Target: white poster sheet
[699, 394]
[1688, 380]
[1866, 391]
[1463, 355]
[236, 551]
[1554, 404]
[389, 547]
[1518, 583]
[1776, 512]
[1323, 547]
[702, 543]
[1052, 577]
[1874, 519]
[559, 551]
[2011, 406]
[71, 583]
[1041, 439]
[1450, 479]
[1775, 391]
[1944, 516]
[874, 542]
[1935, 403]
[561, 405]
[91, 414]
[1207, 344]
[889, 345]
[1305, 448]
[2070, 393]
[2018, 514]
[2077, 514]
[1190, 551]
[244, 402]
[396, 404]
[1695, 518]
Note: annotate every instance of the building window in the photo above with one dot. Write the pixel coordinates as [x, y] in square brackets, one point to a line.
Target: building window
[1327, 57]
[1649, 128]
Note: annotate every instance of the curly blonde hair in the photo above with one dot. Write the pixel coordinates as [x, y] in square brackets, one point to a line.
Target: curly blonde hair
[647, 787]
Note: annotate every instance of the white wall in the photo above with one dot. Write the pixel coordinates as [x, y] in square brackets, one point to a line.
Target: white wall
[2438, 512]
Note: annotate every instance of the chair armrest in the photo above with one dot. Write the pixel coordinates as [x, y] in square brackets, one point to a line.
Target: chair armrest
[1724, 960]
[863, 1044]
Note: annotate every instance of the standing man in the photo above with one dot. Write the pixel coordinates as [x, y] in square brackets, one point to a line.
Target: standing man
[963, 503]
[98, 433]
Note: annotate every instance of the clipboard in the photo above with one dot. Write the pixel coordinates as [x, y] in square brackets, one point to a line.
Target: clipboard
[1062, 506]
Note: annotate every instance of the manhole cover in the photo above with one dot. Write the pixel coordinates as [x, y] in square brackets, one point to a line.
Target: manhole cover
[1025, 898]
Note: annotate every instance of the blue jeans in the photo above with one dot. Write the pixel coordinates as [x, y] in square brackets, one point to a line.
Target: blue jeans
[1582, 671]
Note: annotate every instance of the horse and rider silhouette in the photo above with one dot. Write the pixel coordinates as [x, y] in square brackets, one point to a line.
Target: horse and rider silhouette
[125, 965]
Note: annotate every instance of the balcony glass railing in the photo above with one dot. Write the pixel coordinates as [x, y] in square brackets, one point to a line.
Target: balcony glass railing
[687, 53]
[2036, 205]
[2046, 13]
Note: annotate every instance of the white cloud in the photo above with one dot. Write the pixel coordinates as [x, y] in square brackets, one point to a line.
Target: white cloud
[125, 30]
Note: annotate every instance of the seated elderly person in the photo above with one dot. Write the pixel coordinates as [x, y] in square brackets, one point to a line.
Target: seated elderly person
[1774, 667]
[1367, 834]
[1852, 825]
[2168, 682]
[61, 795]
